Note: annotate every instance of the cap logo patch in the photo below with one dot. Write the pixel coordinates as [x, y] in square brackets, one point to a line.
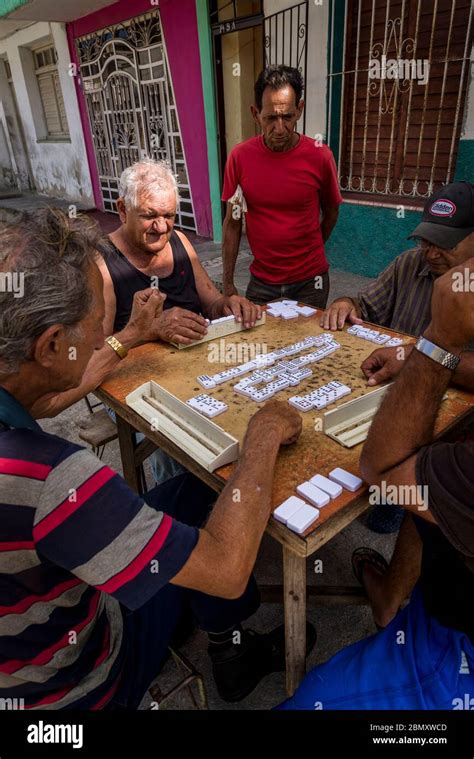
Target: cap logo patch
[443, 207]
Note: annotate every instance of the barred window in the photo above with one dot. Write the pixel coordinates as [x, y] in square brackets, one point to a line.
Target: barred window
[406, 68]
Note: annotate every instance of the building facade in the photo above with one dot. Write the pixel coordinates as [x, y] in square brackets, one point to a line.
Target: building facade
[42, 145]
[388, 85]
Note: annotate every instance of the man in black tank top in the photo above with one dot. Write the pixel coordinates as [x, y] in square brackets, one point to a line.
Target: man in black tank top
[147, 251]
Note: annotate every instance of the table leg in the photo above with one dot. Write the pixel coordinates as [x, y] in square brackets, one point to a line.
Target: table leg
[294, 589]
[127, 453]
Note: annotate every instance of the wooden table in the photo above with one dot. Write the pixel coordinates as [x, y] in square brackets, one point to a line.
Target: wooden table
[176, 370]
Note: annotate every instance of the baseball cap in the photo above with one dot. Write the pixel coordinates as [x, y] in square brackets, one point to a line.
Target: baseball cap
[448, 215]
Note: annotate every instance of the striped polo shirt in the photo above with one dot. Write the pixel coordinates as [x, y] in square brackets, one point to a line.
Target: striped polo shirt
[76, 544]
[400, 297]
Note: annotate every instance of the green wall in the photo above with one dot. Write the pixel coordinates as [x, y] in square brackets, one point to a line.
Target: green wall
[205, 47]
[365, 238]
[465, 161]
[7, 6]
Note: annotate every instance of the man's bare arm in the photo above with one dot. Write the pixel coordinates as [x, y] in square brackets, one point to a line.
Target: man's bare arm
[330, 216]
[231, 236]
[223, 559]
[207, 291]
[213, 303]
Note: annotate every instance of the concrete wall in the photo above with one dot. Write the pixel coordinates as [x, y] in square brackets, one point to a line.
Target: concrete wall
[14, 159]
[58, 167]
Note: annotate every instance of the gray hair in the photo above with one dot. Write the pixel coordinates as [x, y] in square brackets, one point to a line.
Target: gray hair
[44, 262]
[146, 178]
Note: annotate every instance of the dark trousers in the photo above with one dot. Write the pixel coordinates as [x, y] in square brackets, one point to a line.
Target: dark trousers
[148, 630]
[307, 291]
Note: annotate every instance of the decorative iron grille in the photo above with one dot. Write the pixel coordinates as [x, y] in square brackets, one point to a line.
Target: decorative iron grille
[131, 105]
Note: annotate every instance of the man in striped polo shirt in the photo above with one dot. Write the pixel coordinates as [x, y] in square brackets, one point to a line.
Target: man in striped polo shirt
[93, 580]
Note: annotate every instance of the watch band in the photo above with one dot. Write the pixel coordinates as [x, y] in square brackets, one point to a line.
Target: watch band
[117, 346]
[433, 351]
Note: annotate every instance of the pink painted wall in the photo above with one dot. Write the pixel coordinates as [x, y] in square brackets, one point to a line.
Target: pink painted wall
[180, 33]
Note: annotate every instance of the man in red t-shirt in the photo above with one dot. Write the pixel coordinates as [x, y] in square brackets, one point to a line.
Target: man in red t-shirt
[282, 181]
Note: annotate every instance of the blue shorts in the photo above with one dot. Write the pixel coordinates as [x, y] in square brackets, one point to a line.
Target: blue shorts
[414, 663]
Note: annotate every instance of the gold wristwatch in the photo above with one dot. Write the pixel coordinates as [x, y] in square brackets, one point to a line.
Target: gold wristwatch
[117, 346]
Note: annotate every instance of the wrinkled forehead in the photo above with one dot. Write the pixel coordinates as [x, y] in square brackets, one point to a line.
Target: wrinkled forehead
[279, 101]
[158, 201]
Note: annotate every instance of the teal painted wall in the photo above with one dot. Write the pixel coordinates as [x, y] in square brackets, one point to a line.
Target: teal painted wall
[7, 6]
[465, 161]
[365, 238]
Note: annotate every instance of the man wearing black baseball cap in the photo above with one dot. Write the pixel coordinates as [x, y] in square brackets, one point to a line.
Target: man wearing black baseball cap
[448, 216]
[400, 297]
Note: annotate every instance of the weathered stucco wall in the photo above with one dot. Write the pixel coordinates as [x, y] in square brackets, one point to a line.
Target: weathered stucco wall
[58, 167]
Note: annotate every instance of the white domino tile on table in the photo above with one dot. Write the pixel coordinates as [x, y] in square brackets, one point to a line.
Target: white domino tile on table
[259, 396]
[279, 384]
[346, 479]
[393, 342]
[300, 403]
[289, 314]
[302, 519]
[285, 510]
[374, 336]
[244, 387]
[312, 494]
[381, 339]
[207, 405]
[326, 485]
[305, 310]
[206, 381]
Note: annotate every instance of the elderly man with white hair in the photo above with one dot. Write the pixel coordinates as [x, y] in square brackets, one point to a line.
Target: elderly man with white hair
[147, 250]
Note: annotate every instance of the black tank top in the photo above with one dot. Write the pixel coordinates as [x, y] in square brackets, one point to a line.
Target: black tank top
[179, 287]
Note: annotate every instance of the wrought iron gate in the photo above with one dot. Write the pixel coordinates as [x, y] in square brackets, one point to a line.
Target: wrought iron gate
[131, 106]
[286, 40]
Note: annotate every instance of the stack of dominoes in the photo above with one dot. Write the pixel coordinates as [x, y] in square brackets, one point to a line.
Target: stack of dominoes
[289, 309]
[374, 336]
[298, 514]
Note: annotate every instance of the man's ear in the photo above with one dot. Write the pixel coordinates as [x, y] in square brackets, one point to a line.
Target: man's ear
[256, 114]
[300, 107]
[48, 346]
[122, 210]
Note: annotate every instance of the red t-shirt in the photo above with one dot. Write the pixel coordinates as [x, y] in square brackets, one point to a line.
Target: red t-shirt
[284, 193]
